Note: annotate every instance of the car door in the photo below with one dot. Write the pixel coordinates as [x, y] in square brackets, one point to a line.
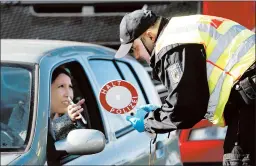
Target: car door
[124, 145]
[85, 74]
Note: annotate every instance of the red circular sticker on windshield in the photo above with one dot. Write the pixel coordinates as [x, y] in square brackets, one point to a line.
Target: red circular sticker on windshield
[118, 97]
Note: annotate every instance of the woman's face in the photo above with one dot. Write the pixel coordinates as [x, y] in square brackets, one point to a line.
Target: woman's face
[61, 89]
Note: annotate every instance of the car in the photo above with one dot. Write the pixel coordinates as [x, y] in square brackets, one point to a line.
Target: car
[26, 70]
[202, 144]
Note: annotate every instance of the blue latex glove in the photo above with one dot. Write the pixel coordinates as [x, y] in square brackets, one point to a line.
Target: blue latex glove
[137, 120]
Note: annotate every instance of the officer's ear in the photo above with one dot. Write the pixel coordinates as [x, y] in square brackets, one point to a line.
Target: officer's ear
[151, 35]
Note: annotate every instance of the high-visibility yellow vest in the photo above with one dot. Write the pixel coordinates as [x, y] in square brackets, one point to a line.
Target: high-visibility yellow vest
[230, 51]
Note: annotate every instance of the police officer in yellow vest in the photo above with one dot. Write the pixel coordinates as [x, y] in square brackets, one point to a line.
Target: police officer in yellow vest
[207, 64]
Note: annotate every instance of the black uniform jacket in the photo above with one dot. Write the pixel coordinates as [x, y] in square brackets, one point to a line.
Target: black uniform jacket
[182, 69]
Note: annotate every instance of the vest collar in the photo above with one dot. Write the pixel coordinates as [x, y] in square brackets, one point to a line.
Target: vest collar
[153, 58]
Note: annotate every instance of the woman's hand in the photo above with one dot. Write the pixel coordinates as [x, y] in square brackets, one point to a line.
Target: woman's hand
[74, 110]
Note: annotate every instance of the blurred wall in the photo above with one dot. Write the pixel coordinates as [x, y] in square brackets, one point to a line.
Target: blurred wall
[29, 21]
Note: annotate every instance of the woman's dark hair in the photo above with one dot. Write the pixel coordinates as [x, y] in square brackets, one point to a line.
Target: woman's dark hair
[58, 71]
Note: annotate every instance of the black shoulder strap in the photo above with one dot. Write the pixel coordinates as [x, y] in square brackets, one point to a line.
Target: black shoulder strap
[247, 85]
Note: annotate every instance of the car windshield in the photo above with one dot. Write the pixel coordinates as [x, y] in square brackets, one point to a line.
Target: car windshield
[15, 106]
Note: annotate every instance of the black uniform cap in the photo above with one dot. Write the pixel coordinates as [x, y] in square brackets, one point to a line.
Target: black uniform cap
[132, 26]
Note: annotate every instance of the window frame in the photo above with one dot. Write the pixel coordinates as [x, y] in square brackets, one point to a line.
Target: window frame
[136, 78]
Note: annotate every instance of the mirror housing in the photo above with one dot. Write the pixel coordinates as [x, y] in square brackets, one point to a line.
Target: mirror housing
[82, 142]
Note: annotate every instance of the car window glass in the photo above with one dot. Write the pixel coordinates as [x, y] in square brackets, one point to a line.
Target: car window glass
[129, 76]
[15, 103]
[106, 71]
[208, 133]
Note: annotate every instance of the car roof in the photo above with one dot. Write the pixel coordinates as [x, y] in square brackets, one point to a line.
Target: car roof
[32, 51]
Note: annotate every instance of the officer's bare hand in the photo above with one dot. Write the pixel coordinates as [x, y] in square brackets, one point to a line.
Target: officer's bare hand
[74, 110]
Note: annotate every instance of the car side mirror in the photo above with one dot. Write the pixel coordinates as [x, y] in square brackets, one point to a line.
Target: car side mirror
[82, 142]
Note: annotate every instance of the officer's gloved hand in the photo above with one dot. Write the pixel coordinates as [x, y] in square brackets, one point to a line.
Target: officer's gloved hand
[137, 120]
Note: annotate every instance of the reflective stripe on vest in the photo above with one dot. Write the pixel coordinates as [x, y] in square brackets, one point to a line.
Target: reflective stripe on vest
[230, 51]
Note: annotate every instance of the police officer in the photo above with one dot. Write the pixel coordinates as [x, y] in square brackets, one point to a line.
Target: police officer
[207, 64]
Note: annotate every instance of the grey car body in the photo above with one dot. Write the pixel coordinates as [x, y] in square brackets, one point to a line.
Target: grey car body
[95, 66]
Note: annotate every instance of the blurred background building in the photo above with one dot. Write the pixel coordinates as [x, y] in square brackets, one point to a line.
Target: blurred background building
[85, 21]
[98, 21]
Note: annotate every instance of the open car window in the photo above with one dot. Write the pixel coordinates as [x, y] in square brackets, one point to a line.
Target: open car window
[82, 89]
